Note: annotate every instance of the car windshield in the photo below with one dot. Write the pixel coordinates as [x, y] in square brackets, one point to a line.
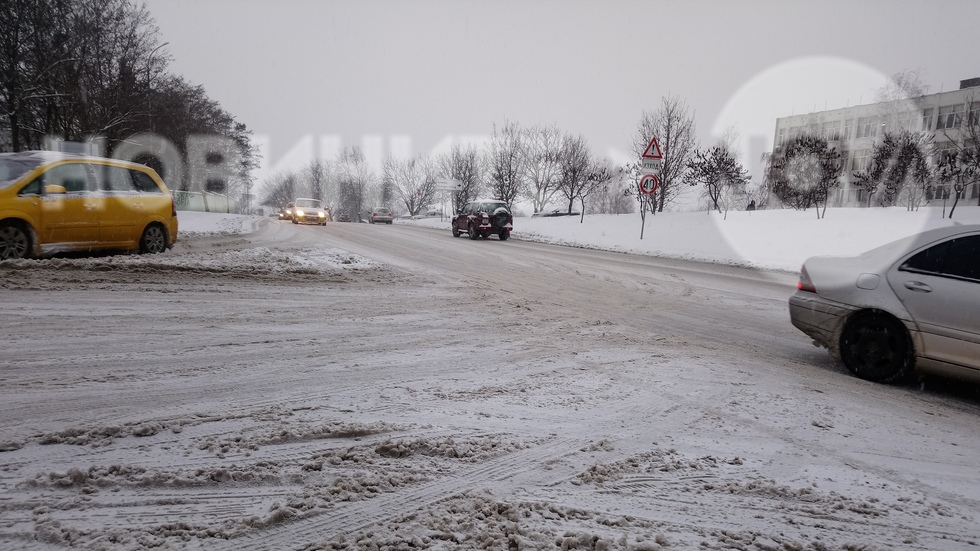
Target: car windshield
[308, 203]
[12, 168]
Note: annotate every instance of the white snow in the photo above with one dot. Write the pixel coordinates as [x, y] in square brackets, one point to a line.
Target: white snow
[264, 386]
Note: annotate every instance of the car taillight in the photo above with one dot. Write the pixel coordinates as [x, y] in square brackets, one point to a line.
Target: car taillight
[173, 207]
[805, 284]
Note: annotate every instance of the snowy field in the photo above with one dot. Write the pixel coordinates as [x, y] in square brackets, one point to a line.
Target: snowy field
[769, 240]
[271, 386]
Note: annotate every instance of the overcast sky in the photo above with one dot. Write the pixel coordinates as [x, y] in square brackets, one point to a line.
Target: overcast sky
[404, 76]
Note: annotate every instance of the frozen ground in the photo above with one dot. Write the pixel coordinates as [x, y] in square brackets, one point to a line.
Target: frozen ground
[268, 386]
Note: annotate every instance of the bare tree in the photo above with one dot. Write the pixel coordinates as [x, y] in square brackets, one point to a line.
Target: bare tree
[279, 189]
[582, 173]
[354, 176]
[721, 176]
[967, 146]
[412, 180]
[899, 168]
[462, 163]
[802, 172]
[543, 151]
[673, 126]
[505, 162]
[612, 197]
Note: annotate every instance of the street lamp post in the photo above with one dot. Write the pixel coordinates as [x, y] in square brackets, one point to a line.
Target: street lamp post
[149, 87]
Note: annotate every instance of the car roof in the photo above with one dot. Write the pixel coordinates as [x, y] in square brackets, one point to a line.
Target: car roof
[51, 156]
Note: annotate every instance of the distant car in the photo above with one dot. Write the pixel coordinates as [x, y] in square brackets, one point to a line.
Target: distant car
[286, 213]
[483, 219]
[911, 305]
[54, 202]
[380, 215]
[309, 211]
[343, 217]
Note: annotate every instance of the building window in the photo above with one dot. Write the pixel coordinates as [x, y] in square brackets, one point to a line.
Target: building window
[860, 159]
[904, 122]
[781, 141]
[973, 117]
[866, 127]
[927, 119]
[848, 129]
[949, 116]
[831, 131]
[943, 151]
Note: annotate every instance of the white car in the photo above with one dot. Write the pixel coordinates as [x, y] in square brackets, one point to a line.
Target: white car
[913, 304]
[381, 215]
[308, 211]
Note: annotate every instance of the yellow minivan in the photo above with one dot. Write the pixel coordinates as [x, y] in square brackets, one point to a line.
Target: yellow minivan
[53, 202]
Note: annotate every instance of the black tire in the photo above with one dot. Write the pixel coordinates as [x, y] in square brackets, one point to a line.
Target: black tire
[876, 347]
[15, 241]
[472, 231]
[295, 221]
[504, 234]
[153, 240]
[456, 231]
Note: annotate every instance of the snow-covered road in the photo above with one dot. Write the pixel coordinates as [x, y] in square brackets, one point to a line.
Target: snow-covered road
[391, 387]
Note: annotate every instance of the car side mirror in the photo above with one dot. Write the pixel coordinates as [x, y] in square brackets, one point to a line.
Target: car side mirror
[55, 189]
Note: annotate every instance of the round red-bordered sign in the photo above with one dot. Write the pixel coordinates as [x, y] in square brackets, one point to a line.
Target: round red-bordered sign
[649, 183]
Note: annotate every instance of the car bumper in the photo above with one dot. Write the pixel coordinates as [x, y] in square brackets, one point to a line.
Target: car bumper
[311, 220]
[819, 318]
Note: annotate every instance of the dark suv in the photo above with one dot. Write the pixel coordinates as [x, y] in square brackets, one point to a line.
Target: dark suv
[483, 218]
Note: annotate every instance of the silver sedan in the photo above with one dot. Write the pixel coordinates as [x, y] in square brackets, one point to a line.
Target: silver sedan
[911, 305]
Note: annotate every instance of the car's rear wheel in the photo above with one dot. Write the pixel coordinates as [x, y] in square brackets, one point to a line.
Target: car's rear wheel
[472, 231]
[15, 241]
[153, 240]
[875, 346]
[504, 234]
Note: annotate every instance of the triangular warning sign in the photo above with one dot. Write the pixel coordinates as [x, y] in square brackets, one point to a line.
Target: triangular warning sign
[653, 150]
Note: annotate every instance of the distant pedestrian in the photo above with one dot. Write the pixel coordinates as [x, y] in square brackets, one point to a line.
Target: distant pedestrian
[751, 205]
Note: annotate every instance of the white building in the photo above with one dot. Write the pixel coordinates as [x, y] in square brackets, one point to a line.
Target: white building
[855, 130]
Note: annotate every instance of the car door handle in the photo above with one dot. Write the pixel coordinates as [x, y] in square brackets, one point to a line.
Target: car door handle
[918, 287]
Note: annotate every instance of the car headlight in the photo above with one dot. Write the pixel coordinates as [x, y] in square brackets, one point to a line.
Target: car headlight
[299, 213]
[323, 215]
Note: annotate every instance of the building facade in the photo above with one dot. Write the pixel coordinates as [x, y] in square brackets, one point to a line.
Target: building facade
[855, 130]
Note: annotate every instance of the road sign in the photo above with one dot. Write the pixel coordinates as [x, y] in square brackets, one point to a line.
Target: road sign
[650, 166]
[445, 184]
[649, 183]
[653, 150]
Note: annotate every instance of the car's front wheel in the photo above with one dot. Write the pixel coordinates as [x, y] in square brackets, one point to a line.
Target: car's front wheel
[15, 242]
[456, 231]
[875, 346]
[153, 240]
